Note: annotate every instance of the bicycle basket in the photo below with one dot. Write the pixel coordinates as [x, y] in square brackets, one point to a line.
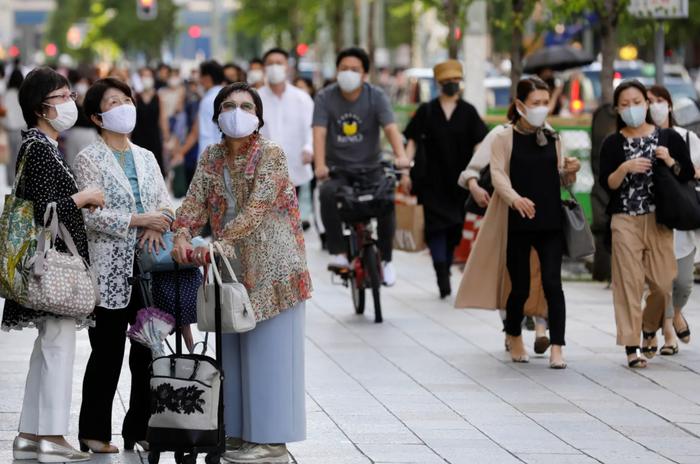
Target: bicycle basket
[363, 201]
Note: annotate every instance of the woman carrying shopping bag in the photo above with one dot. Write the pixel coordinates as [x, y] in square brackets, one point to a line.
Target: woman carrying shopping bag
[242, 188]
[642, 248]
[43, 177]
[136, 214]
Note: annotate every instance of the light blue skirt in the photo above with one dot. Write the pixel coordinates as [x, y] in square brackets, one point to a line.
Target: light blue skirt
[264, 389]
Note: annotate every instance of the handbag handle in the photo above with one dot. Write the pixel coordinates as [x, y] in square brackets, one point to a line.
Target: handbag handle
[216, 247]
[56, 229]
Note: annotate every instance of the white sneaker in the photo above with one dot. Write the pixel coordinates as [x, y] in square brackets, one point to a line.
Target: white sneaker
[339, 261]
[389, 274]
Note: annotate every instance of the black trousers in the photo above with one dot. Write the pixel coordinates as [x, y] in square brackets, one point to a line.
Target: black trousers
[550, 249]
[108, 340]
[386, 225]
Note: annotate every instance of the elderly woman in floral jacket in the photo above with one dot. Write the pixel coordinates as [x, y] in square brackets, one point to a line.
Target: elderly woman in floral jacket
[242, 188]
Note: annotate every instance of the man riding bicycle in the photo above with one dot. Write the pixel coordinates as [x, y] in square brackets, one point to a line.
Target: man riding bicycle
[347, 119]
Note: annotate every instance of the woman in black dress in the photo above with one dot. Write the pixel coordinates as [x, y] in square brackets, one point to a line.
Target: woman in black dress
[449, 128]
[152, 126]
[48, 107]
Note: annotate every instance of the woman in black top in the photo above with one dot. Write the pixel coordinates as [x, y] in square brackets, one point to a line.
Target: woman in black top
[532, 180]
[152, 126]
[642, 249]
[446, 130]
[48, 107]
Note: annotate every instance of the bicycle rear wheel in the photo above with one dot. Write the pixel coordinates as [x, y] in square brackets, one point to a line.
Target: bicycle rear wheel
[371, 265]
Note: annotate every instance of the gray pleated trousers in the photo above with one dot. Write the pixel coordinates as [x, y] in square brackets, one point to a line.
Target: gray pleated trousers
[264, 396]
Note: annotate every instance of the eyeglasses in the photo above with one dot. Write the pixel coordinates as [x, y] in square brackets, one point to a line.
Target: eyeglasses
[230, 106]
[116, 101]
[64, 97]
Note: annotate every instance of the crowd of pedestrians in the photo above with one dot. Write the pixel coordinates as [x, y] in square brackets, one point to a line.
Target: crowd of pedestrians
[240, 146]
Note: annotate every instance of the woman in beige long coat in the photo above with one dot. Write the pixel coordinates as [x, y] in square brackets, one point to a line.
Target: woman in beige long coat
[486, 282]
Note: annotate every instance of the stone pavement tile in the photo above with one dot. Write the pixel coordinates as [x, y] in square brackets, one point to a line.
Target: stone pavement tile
[419, 454]
[556, 458]
[9, 421]
[626, 457]
[469, 455]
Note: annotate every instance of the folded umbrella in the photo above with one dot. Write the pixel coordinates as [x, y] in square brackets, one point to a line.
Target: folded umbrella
[556, 58]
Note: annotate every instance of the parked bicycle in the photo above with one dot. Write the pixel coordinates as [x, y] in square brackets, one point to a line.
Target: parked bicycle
[359, 205]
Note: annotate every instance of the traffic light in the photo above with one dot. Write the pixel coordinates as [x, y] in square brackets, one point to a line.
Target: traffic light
[147, 10]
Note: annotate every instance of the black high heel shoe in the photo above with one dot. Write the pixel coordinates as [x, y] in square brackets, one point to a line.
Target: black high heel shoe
[649, 351]
[638, 362]
[129, 445]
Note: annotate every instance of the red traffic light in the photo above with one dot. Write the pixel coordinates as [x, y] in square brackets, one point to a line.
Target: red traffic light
[14, 51]
[194, 32]
[51, 49]
[302, 49]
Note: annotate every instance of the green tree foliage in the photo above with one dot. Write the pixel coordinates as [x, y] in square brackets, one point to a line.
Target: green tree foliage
[111, 27]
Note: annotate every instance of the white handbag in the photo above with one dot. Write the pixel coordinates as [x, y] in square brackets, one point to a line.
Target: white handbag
[237, 313]
[60, 283]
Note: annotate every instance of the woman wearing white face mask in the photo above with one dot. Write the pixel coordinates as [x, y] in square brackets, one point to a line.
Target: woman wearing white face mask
[642, 249]
[137, 211]
[675, 326]
[48, 107]
[242, 188]
[525, 172]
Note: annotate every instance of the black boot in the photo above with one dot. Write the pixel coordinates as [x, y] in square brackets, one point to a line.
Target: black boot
[442, 270]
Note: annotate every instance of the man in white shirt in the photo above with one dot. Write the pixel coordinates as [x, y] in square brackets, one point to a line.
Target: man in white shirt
[205, 132]
[288, 115]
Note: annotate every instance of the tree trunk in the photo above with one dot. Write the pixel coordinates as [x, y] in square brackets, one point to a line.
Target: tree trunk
[516, 45]
[452, 24]
[608, 22]
[336, 15]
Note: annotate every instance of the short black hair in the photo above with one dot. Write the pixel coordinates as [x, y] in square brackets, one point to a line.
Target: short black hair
[274, 50]
[239, 87]
[213, 69]
[256, 61]
[93, 97]
[16, 79]
[164, 66]
[356, 52]
[32, 93]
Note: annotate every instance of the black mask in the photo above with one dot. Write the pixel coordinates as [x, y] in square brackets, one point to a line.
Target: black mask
[450, 88]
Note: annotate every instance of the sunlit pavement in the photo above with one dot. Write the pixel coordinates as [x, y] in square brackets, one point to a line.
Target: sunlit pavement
[433, 384]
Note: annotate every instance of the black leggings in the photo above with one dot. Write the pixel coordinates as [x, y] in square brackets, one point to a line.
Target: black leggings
[550, 248]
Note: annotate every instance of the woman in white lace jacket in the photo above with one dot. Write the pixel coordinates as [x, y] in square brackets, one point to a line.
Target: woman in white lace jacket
[137, 211]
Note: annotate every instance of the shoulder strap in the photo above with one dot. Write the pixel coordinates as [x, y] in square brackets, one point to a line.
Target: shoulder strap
[687, 137]
[663, 137]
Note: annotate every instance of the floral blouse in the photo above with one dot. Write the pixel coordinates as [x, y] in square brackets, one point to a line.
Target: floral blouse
[637, 190]
[267, 228]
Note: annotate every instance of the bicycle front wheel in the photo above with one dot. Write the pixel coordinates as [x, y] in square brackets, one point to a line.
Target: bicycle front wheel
[371, 264]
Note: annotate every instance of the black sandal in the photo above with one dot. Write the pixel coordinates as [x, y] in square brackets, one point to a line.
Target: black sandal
[638, 362]
[649, 351]
[668, 350]
[683, 336]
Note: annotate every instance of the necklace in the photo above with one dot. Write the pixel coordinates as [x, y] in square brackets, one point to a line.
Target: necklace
[120, 154]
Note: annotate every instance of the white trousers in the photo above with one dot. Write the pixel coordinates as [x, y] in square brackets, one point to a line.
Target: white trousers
[47, 394]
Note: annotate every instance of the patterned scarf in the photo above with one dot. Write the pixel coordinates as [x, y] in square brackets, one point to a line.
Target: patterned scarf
[542, 132]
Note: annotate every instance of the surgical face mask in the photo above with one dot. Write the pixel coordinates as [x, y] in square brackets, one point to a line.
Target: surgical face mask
[450, 88]
[659, 112]
[634, 116]
[349, 81]
[148, 83]
[66, 115]
[255, 76]
[535, 115]
[121, 119]
[238, 124]
[276, 73]
[174, 82]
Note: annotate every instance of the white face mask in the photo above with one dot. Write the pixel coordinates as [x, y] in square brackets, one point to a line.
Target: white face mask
[659, 112]
[148, 83]
[66, 115]
[535, 115]
[634, 116]
[238, 124]
[255, 76]
[349, 81]
[276, 73]
[121, 119]
[174, 82]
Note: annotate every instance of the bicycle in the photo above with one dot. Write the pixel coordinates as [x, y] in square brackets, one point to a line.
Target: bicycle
[359, 205]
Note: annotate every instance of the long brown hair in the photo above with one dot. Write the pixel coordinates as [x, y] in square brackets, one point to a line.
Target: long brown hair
[659, 91]
[525, 87]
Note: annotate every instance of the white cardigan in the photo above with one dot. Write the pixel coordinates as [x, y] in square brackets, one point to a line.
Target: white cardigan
[481, 158]
[111, 241]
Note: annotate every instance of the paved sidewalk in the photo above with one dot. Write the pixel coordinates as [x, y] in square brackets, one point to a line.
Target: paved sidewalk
[434, 385]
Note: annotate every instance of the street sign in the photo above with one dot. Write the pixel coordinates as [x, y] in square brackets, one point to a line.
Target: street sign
[659, 9]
